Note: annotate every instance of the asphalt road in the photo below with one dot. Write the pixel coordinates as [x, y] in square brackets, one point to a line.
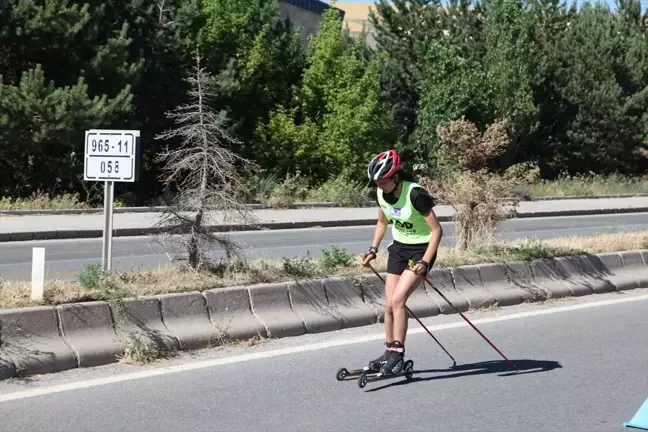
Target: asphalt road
[582, 369]
[66, 258]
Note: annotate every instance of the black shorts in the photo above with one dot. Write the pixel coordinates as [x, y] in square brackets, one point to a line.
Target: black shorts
[401, 253]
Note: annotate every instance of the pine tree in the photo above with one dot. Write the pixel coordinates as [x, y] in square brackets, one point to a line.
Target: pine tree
[415, 36]
[551, 20]
[48, 100]
[163, 35]
[603, 75]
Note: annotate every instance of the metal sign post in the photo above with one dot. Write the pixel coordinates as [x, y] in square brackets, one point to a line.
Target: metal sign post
[111, 156]
[106, 246]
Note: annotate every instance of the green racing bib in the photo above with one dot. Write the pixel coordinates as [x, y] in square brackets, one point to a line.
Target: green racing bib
[408, 225]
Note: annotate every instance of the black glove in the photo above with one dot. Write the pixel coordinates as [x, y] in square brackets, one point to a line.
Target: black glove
[424, 264]
[372, 255]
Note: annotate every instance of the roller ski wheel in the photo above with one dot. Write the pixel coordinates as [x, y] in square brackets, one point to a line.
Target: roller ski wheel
[367, 377]
[408, 369]
[362, 382]
[344, 373]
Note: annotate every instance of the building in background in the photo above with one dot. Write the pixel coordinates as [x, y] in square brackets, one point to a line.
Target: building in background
[306, 14]
[356, 15]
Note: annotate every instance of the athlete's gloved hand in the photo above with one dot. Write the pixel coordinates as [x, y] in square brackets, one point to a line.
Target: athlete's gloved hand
[368, 257]
[420, 268]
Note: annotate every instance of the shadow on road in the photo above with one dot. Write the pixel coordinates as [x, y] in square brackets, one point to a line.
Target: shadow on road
[500, 367]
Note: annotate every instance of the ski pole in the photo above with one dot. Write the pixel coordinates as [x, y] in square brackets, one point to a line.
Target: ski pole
[425, 279]
[454, 362]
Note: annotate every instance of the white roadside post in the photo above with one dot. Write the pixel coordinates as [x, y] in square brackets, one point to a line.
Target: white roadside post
[38, 273]
[111, 156]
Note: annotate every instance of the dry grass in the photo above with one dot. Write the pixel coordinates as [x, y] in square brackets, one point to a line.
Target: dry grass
[174, 279]
[589, 185]
[139, 352]
[603, 243]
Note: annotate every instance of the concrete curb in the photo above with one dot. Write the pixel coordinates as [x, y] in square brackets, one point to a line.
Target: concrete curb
[325, 204]
[569, 271]
[187, 318]
[620, 279]
[520, 277]
[443, 280]
[141, 320]
[633, 261]
[548, 278]
[47, 339]
[134, 232]
[496, 280]
[582, 212]
[230, 311]
[157, 209]
[468, 282]
[88, 330]
[272, 306]
[309, 301]
[346, 298]
[32, 342]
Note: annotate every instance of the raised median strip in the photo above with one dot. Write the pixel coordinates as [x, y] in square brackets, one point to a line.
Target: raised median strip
[301, 205]
[58, 227]
[47, 339]
[145, 231]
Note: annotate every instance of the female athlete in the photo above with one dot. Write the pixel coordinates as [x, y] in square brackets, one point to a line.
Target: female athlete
[416, 232]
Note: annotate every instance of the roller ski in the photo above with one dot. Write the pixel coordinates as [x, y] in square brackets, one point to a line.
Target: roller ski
[373, 367]
[390, 364]
[407, 369]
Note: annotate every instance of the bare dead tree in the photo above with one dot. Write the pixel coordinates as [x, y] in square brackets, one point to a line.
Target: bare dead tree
[206, 172]
[161, 21]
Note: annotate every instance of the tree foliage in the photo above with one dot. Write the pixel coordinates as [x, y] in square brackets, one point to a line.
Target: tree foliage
[570, 81]
[335, 120]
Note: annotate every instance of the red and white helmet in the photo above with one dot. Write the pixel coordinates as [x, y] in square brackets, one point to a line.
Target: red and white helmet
[383, 165]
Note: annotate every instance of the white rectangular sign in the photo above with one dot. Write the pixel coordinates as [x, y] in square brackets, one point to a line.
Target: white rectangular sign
[111, 155]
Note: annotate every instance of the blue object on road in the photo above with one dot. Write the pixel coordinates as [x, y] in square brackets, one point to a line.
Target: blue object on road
[640, 419]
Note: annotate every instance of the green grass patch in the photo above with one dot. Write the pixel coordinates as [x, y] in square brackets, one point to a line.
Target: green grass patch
[43, 201]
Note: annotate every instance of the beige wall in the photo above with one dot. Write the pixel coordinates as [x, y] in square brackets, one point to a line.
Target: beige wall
[355, 16]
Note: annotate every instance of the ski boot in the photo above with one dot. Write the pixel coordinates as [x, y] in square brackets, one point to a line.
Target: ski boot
[394, 360]
[375, 365]
[372, 368]
[394, 365]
